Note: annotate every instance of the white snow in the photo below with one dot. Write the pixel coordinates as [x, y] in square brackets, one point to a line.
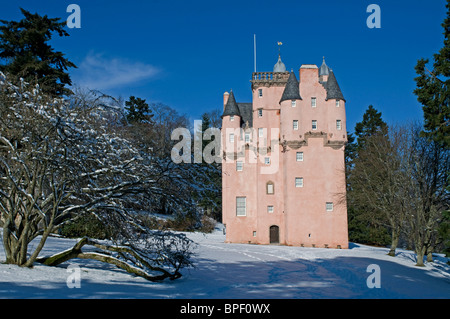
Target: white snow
[240, 271]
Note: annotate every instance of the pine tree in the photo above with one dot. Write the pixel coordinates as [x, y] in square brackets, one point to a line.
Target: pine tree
[433, 90]
[25, 52]
[433, 93]
[138, 110]
[371, 124]
[362, 227]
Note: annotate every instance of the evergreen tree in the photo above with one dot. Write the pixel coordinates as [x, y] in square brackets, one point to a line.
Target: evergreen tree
[433, 93]
[371, 124]
[138, 110]
[433, 90]
[25, 52]
[211, 199]
[362, 226]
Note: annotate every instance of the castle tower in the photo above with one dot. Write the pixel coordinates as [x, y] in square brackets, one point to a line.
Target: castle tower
[283, 168]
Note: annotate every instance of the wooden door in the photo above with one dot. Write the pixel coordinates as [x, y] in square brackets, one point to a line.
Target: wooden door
[274, 234]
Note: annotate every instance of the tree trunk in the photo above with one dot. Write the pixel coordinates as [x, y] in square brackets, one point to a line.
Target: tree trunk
[394, 243]
[420, 251]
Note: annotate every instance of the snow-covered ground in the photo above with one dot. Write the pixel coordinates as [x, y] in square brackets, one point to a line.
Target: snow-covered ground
[240, 271]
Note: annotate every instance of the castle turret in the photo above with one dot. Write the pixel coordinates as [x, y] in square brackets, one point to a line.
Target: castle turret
[231, 107]
[279, 66]
[324, 71]
[333, 89]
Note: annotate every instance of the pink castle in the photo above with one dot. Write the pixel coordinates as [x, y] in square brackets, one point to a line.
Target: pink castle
[283, 171]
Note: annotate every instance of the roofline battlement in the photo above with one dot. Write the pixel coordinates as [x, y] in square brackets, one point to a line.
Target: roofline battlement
[269, 79]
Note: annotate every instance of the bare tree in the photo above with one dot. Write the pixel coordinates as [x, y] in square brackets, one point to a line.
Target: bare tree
[427, 164]
[376, 182]
[63, 159]
[402, 177]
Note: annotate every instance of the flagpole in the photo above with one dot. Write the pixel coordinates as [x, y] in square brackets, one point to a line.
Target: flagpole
[254, 50]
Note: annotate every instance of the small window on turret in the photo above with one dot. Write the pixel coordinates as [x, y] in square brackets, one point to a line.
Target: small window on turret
[259, 112]
[329, 206]
[293, 103]
[231, 118]
[313, 102]
[338, 125]
[314, 124]
[260, 92]
[338, 103]
[270, 188]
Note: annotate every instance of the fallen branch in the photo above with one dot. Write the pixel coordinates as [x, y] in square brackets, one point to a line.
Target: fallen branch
[127, 258]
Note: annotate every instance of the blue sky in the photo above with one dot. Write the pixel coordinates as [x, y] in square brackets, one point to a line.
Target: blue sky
[187, 53]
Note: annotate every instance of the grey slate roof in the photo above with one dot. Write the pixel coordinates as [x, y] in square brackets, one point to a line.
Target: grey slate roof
[332, 87]
[324, 69]
[231, 108]
[246, 110]
[292, 89]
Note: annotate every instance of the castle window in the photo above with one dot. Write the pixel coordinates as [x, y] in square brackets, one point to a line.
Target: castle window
[338, 103]
[295, 124]
[241, 206]
[267, 160]
[270, 209]
[293, 103]
[231, 137]
[247, 137]
[314, 124]
[260, 132]
[313, 102]
[299, 182]
[338, 125]
[329, 206]
[259, 92]
[239, 166]
[254, 234]
[299, 156]
[231, 118]
[270, 188]
[259, 112]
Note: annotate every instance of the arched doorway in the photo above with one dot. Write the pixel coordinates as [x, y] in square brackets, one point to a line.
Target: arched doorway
[274, 234]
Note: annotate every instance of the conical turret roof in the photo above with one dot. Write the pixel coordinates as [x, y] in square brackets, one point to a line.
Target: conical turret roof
[231, 108]
[291, 90]
[324, 69]
[333, 89]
